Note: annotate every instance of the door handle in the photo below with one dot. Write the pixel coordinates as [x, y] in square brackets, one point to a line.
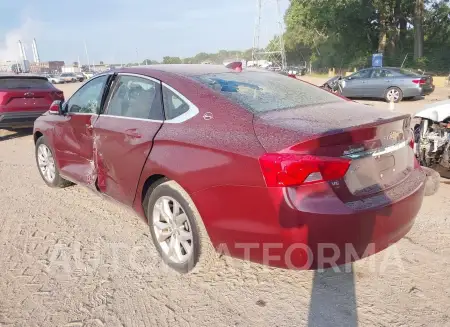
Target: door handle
[89, 127]
[133, 133]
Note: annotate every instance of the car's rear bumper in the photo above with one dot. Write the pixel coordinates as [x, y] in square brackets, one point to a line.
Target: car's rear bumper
[263, 225]
[427, 90]
[20, 119]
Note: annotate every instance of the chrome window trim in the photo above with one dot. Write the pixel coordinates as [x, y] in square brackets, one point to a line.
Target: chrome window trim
[376, 152]
[132, 118]
[192, 112]
[141, 76]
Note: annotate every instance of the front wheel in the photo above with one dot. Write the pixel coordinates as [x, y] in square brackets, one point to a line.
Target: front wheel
[47, 166]
[177, 229]
[393, 94]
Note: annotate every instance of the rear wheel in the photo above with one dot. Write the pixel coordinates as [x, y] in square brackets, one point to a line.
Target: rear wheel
[177, 229]
[47, 166]
[393, 94]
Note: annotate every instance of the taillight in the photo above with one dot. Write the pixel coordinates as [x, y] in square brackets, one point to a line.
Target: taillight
[411, 143]
[58, 95]
[3, 97]
[420, 81]
[236, 65]
[283, 169]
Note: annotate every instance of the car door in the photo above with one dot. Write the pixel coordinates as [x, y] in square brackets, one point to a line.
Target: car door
[74, 133]
[354, 85]
[378, 82]
[125, 132]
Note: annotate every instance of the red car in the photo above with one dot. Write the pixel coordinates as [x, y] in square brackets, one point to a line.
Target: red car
[23, 98]
[250, 163]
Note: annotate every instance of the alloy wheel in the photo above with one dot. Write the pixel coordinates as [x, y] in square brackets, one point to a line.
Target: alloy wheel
[393, 95]
[46, 163]
[173, 230]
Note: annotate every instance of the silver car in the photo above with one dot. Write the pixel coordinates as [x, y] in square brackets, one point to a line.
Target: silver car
[68, 77]
[391, 84]
[53, 78]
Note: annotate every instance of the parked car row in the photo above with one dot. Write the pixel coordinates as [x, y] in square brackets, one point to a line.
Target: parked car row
[68, 77]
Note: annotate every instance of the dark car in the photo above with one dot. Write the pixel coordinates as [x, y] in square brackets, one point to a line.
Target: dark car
[236, 161]
[391, 84]
[23, 98]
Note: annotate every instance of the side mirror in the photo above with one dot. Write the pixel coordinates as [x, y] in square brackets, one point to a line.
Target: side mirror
[56, 108]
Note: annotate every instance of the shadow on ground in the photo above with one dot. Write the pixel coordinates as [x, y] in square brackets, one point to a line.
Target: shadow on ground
[6, 135]
[333, 299]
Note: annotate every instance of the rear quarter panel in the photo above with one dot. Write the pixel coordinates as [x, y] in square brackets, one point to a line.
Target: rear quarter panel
[408, 88]
[201, 154]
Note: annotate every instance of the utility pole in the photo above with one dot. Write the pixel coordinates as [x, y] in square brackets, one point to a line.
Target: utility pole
[87, 56]
[276, 54]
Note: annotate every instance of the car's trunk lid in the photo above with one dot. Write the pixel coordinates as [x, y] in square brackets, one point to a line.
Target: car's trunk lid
[375, 140]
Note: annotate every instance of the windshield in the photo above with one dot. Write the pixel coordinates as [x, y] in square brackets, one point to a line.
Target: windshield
[264, 91]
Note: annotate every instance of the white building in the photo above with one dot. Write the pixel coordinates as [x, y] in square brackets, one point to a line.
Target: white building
[6, 66]
[70, 69]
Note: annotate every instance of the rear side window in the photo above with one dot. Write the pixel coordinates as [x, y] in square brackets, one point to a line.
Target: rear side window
[136, 97]
[174, 106]
[265, 91]
[24, 83]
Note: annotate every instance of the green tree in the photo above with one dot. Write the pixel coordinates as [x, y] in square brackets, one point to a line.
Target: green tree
[171, 60]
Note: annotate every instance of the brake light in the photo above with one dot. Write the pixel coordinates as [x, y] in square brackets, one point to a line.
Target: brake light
[3, 97]
[59, 95]
[284, 169]
[420, 81]
[236, 65]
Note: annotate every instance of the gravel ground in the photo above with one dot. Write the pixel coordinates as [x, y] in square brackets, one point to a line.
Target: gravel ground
[70, 258]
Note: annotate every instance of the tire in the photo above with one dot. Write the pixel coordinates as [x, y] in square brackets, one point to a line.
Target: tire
[57, 181]
[432, 181]
[390, 93]
[202, 254]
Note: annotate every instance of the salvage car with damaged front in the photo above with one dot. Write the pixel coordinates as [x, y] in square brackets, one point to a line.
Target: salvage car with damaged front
[432, 137]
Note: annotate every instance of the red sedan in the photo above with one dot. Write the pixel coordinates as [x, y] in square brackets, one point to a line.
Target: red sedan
[250, 163]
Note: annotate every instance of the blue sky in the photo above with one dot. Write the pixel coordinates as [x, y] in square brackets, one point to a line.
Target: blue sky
[127, 30]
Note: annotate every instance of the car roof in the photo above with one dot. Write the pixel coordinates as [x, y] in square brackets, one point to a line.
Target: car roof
[182, 69]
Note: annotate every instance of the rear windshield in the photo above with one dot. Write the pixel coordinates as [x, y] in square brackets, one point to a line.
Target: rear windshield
[24, 83]
[265, 91]
[407, 72]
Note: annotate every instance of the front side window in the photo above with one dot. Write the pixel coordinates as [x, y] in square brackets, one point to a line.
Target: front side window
[174, 106]
[88, 98]
[136, 97]
[365, 73]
